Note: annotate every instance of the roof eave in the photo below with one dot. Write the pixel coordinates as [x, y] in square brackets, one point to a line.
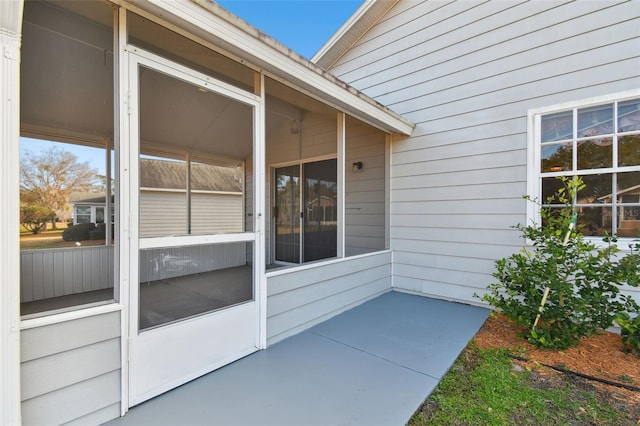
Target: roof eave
[367, 15]
[339, 34]
[247, 42]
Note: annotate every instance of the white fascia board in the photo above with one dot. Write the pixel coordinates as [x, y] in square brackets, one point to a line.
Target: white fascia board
[206, 19]
[344, 29]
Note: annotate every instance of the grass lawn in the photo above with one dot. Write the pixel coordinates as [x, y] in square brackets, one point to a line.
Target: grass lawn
[50, 239]
[486, 387]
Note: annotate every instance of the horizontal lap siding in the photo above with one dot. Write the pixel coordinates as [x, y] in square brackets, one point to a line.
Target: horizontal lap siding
[365, 189]
[300, 299]
[467, 73]
[71, 371]
[213, 213]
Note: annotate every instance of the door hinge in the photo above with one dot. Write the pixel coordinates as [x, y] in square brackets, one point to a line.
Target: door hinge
[128, 102]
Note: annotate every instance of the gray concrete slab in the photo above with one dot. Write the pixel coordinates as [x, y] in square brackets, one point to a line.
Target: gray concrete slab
[372, 365]
[416, 332]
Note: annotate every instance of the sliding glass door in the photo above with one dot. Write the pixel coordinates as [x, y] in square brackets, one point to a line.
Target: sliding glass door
[305, 213]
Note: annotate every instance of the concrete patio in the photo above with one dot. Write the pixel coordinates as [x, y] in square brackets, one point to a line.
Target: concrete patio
[371, 365]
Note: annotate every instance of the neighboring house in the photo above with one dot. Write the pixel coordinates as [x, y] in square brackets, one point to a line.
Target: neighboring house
[216, 198]
[405, 171]
[87, 207]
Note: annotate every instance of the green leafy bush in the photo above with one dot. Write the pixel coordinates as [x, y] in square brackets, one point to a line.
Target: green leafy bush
[630, 331]
[79, 232]
[584, 280]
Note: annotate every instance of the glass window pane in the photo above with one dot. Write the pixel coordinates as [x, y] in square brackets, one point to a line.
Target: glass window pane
[629, 210]
[594, 121]
[629, 115]
[629, 150]
[182, 282]
[557, 157]
[595, 154]
[629, 187]
[597, 190]
[320, 201]
[595, 221]
[557, 127]
[287, 214]
[550, 188]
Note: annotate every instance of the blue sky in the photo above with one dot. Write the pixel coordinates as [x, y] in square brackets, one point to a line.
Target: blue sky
[302, 25]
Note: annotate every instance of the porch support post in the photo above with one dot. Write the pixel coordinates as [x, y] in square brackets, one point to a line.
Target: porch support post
[341, 138]
[10, 28]
[387, 191]
[122, 197]
[260, 213]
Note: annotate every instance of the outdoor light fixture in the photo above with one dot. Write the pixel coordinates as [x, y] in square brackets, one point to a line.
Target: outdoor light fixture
[295, 128]
[356, 166]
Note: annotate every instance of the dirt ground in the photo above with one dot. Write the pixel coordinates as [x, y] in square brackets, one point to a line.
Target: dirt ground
[602, 356]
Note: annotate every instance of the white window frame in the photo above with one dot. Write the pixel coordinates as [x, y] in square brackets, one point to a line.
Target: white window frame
[534, 187]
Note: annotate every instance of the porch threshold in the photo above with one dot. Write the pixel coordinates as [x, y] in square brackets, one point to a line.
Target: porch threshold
[371, 365]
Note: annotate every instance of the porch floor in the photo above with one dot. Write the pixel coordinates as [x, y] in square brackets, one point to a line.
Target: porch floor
[371, 365]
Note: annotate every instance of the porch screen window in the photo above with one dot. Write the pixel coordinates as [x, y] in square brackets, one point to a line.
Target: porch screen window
[600, 143]
[67, 173]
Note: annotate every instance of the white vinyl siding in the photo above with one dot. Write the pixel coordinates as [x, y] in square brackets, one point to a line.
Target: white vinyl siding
[365, 189]
[212, 213]
[467, 73]
[165, 213]
[71, 371]
[300, 299]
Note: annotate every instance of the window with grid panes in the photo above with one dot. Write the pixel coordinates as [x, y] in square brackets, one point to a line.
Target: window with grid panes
[600, 143]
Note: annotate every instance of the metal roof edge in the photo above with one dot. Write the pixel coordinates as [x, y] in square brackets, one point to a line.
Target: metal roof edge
[338, 44]
[345, 28]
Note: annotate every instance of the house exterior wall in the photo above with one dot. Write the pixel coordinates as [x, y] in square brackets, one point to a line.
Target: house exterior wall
[74, 379]
[365, 203]
[164, 213]
[467, 73]
[299, 299]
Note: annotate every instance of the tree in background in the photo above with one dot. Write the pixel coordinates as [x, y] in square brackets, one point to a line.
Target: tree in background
[48, 179]
[35, 218]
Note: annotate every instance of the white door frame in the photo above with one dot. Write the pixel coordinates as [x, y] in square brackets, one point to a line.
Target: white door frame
[251, 314]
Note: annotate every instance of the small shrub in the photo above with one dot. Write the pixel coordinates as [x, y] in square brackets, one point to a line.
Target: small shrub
[79, 232]
[630, 331]
[99, 232]
[584, 280]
